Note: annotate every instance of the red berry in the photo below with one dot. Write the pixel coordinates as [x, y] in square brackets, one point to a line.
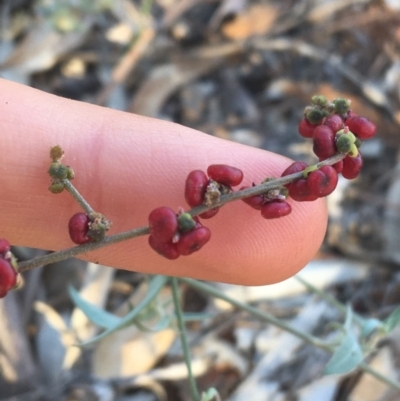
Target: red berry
[166, 249]
[334, 122]
[298, 189]
[324, 142]
[352, 166]
[300, 192]
[225, 175]
[275, 209]
[306, 129]
[255, 201]
[295, 167]
[163, 223]
[338, 166]
[350, 114]
[323, 181]
[78, 228]
[195, 187]
[192, 241]
[8, 277]
[4, 246]
[361, 127]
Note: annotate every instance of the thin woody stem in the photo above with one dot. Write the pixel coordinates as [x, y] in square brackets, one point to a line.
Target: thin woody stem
[137, 232]
[77, 196]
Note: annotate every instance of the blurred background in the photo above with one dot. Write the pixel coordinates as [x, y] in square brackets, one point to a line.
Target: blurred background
[241, 70]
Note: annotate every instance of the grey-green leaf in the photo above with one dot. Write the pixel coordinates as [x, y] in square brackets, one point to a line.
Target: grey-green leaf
[156, 284]
[95, 314]
[346, 357]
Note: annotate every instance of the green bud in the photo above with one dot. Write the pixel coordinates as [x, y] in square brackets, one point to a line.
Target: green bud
[344, 143]
[315, 116]
[58, 170]
[56, 187]
[342, 106]
[71, 174]
[319, 100]
[56, 153]
[186, 222]
[358, 142]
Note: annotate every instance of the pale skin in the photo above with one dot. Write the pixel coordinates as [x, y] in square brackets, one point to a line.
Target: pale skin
[125, 166]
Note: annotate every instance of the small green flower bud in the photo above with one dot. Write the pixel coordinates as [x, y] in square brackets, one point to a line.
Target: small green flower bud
[319, 100]
[58, 170]
[344, 143]
[358, 142]
[346, 131]
[70, 174]
[315, 116]
[56, 187]
[56, 153]
[186, 222]
[342, 106]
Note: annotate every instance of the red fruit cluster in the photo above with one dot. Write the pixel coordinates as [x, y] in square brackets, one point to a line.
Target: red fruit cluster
[84, 228]
[337, 129]
[271, 204]
[173, 235]
[8, 274]
[202, 189]
[314, 185]
[326, 133]
[333, 127]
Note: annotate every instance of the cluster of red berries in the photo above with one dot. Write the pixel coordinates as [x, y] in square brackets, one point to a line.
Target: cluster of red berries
[8, 272]
[203, 190]
[173, 235]
[334, 129]
[84, 228]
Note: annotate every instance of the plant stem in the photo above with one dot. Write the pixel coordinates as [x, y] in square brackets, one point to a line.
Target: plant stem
[387, 380]
[208, 289]
[183, 336]
[113, 239]
[77, 196]
[329, 298]
[80, 249]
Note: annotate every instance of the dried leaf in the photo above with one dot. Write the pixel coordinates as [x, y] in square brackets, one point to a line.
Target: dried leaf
[258, 20]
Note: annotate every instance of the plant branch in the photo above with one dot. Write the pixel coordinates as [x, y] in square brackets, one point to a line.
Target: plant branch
[209, 289]
[77, 196]
[113, 239]
[387, 380]
[183, 336]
